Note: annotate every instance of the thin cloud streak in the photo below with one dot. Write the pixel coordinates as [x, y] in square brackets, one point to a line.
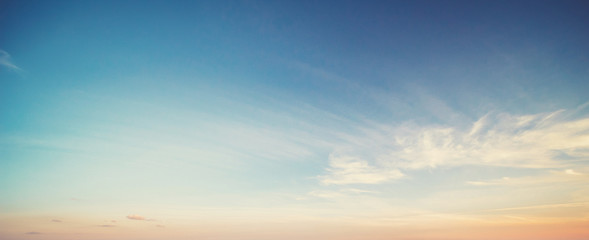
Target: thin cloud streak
[348, 170]
[136, 217]
[546, 140]
[562, 176]
[6, 62]
[139, 218]
[543, 206]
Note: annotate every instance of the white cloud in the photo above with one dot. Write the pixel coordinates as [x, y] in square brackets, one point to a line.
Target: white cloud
[6, 62]
[348, 170]
[572, 172]
[546, 140]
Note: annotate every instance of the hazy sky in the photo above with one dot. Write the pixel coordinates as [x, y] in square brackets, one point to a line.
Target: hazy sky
[268, 120]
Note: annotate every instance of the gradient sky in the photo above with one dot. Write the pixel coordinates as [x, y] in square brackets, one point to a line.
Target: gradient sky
[267, 120]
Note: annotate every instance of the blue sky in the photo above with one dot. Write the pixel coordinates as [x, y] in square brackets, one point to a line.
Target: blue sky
[328, 113]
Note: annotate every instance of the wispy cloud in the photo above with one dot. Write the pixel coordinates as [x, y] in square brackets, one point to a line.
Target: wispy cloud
[572, 172]
[6, 62]
[348, 170]
[553, 176]
[325, 194]
[136, 217]
[358, 191]
[546, 140]
[139, 217]
[331, 194]
[33, 233]
[543, 206]
[56, 220]
[107, 226]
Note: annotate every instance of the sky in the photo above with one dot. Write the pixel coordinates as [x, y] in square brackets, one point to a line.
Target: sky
[266, 120]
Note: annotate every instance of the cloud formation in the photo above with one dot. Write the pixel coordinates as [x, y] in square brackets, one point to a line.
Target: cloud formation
[347, 170]
[6, 62]
[553, 176]
[136, 217]
[546, 140]
[529, 141]
[33, 233]
[330, 194]
[56, 220]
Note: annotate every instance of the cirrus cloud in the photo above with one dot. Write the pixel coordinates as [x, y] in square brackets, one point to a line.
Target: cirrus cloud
[6, 62]
[546, 140]
[347, 170]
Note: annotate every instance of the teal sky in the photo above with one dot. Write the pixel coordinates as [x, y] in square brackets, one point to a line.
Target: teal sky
[328, 113]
